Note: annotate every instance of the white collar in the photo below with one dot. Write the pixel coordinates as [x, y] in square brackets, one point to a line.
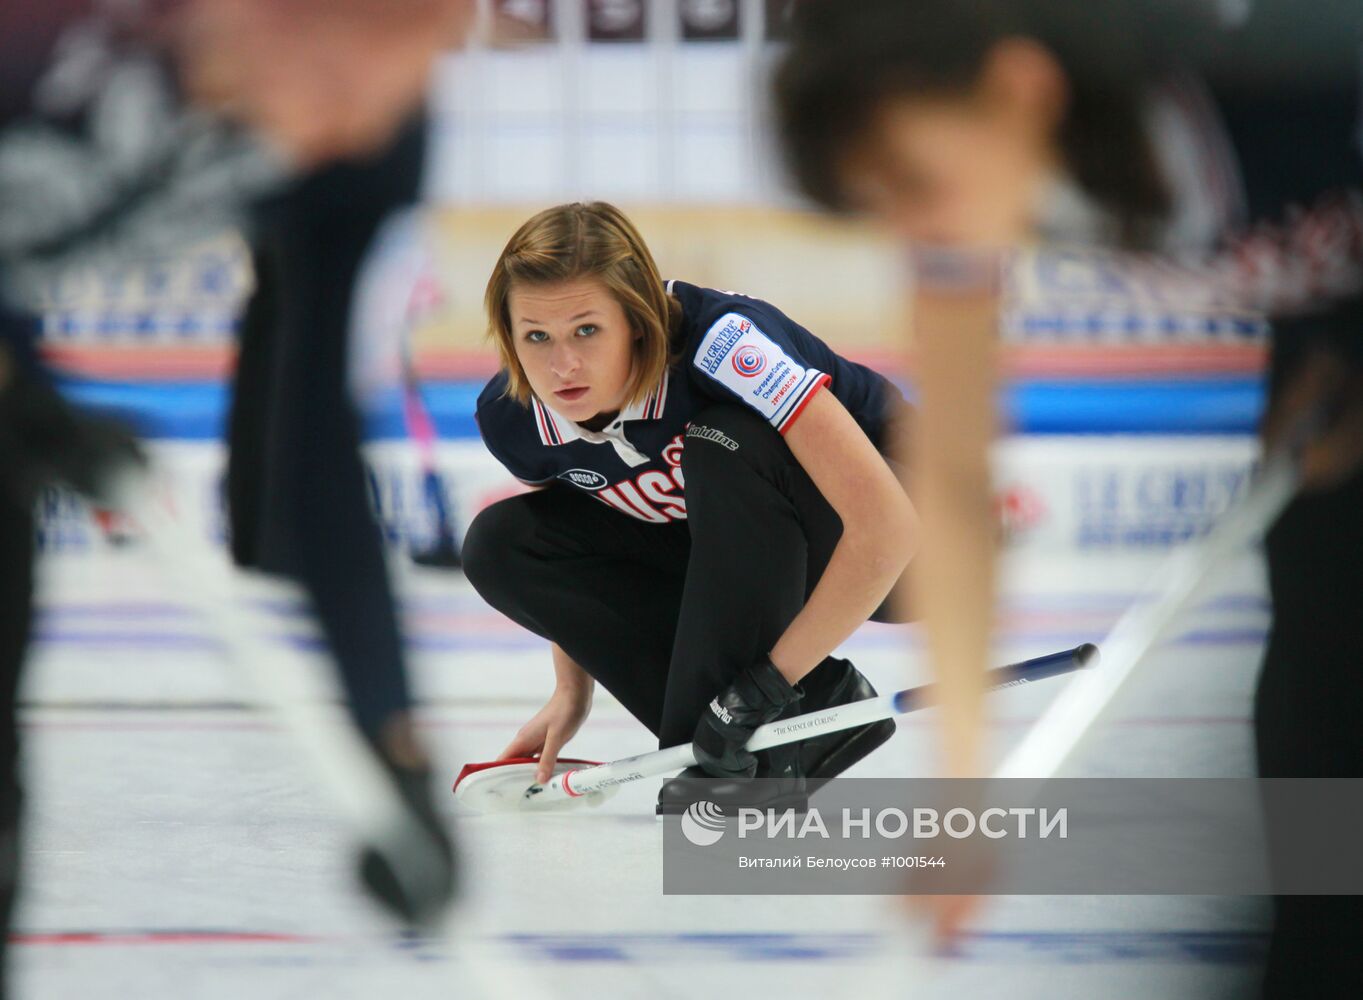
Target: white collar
[555, 429]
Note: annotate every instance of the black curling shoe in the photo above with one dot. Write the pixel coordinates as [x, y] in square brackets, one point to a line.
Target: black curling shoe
[822, 758]
[788, 775]
[778, 785]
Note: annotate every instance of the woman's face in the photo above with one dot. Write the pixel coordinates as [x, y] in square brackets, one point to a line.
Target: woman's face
[964, 169]
[575, 344]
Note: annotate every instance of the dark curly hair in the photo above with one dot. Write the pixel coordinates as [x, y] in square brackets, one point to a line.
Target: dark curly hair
[846, 59]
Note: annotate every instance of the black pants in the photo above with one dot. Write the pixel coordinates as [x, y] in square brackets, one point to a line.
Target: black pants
[1308, 709]
[1308, 716]
[16, 612]
[665, 615]
[296, 487]
[17, 555]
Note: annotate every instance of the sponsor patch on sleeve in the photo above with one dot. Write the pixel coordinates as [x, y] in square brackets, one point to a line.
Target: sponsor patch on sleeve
[760, 372]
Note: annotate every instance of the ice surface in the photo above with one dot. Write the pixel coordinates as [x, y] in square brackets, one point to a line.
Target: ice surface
[177, 848]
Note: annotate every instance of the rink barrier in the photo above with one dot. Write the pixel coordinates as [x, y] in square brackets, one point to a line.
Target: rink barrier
[1056, 494]
[1224, 404]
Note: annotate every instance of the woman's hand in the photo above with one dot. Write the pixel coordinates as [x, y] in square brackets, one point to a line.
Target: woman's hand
[552, 727]
[324, 79]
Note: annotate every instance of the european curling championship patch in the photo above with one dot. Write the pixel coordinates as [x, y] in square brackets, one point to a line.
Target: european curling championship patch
[735, 353]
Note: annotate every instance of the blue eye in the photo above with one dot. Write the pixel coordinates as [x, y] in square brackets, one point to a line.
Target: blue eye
[586, 329]
[537, 336]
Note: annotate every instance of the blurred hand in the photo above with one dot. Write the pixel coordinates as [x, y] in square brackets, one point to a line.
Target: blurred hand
[948, 915]
[1327, 393]
[322, 79]
[551, 728]
[971, 872]
[45, 441]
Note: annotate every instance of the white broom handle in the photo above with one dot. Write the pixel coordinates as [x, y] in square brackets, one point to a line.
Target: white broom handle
[579, 782]
[1058, 731]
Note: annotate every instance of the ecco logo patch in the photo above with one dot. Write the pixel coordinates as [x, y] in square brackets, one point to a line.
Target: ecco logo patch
[585, 478]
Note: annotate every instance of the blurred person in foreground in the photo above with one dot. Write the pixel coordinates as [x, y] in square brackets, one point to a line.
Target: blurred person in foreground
[1221, 137]
[130, 128]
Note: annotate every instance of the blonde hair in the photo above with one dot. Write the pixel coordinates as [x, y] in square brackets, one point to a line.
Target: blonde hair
[586, 240]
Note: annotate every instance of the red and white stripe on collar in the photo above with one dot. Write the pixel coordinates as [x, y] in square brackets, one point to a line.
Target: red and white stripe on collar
[545, 423]
[555, 429]
[656, 400]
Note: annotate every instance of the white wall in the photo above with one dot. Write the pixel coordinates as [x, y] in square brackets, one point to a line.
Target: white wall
[656, 121]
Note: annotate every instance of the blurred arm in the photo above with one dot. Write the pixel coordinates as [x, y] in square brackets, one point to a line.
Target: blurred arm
[953, 574]
[323, 79]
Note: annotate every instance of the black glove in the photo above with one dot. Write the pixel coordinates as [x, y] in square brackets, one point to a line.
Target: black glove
[757, 696]
[44, 440]
[415, 872]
